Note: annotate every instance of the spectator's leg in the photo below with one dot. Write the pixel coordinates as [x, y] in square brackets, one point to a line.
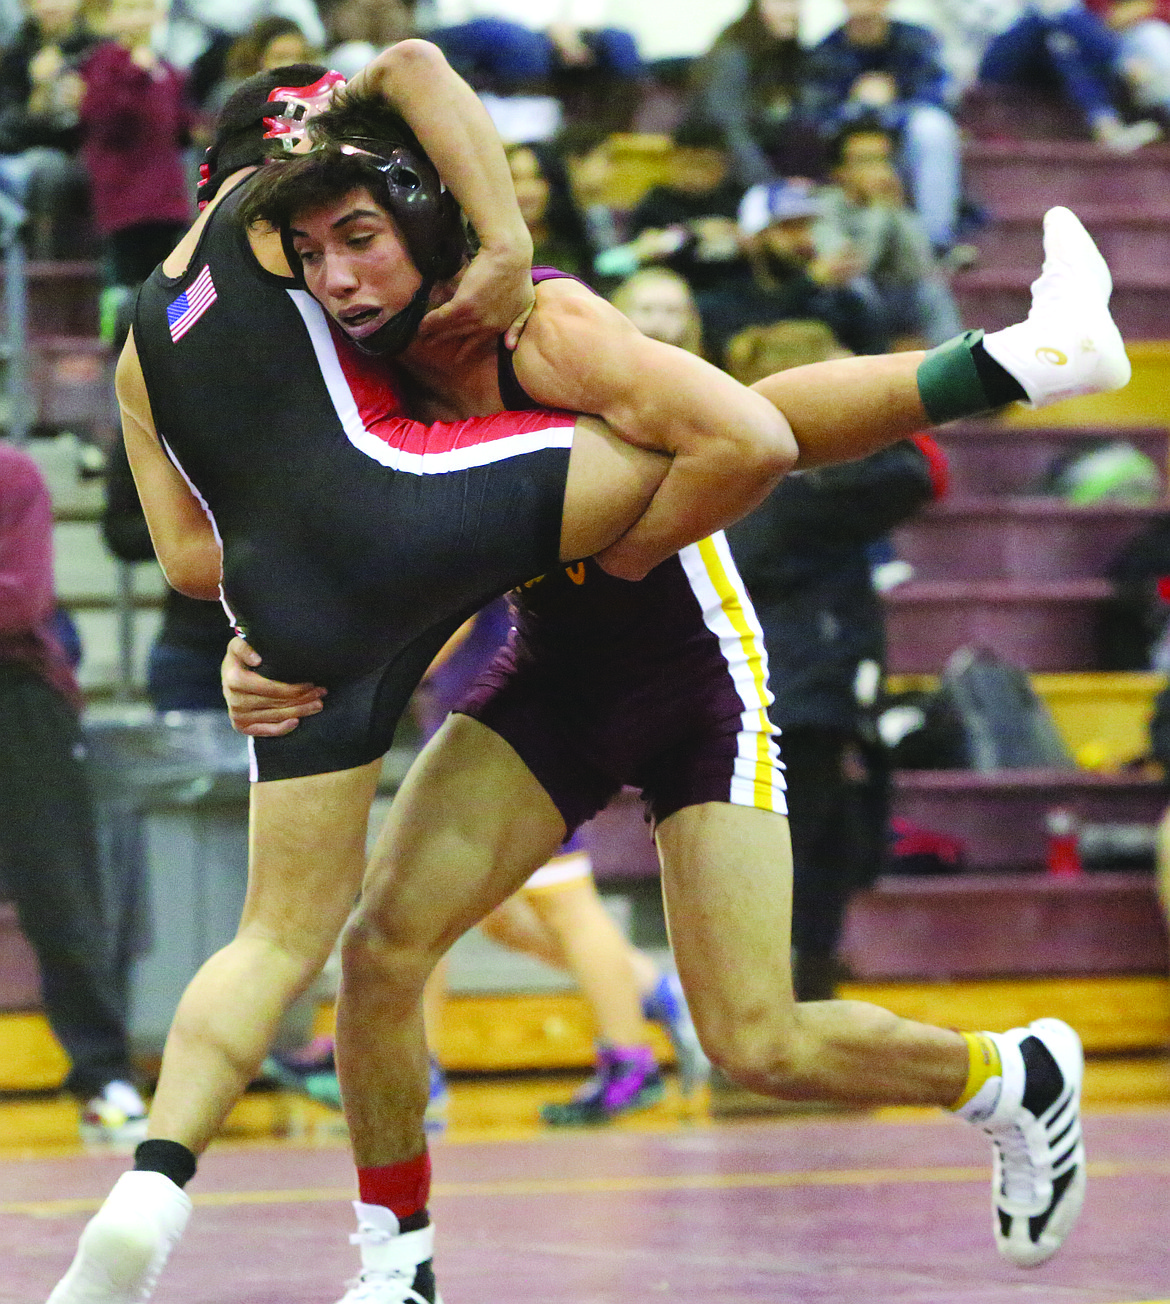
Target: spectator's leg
[51, 867]
[936, 311]
[1146, 47]
[616, 51]
[822, 868]
[1014, 57]
[931, 157]
[1084, 55]
[511, 56]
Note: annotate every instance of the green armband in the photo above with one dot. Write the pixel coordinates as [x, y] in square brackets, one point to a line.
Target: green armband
[949, 383]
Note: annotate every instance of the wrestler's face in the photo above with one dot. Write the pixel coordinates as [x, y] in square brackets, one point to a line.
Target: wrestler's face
[355, 262]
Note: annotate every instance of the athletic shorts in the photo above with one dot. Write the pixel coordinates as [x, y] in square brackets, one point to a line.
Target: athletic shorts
[659, 685]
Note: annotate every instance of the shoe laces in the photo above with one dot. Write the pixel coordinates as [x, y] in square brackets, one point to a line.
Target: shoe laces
[1018, 1181]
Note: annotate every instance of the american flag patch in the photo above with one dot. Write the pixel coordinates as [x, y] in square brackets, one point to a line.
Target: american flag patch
[191, 305]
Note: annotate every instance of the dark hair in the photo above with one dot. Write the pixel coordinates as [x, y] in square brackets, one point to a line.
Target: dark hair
[563, 220]
[773, 65]
[576, 139]
[240, 127]
[246, 53]
[698, 132]
[865, 126]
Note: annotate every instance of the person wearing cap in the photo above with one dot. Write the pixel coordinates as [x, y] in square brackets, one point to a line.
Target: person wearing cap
[350, 542]
[783, 278]
[356, 221]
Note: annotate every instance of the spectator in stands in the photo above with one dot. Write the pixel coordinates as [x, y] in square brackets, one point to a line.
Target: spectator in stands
[356, 30]
[1056, 44]
[197, 34]
[271, 42]
[558, 230]
[660, 303]
[587, 152]
[785, 279]
[521, 45]
[48, 850]
[1143, 28]
[688, 224]
[752, 84]
[874, 65]
[135, 123]
[40, 98]
[803, 557]
[865, 211]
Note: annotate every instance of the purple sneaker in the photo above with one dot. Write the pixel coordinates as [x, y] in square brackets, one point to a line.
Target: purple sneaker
[627, 1079]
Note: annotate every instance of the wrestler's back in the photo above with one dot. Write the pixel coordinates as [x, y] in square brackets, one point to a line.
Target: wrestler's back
[333, 560]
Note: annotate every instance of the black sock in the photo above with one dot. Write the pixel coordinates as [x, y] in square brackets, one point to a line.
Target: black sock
[167, 1157]
[1000, 385]
[414, 1222]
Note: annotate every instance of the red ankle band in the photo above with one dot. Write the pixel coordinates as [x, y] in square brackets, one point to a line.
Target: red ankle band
[402, 1188]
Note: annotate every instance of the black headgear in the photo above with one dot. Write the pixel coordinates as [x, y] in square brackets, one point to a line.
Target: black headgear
[431, 224]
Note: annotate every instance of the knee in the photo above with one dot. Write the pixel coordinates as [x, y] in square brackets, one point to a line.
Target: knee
[372, 954]
[930, 128]
[757, 1050]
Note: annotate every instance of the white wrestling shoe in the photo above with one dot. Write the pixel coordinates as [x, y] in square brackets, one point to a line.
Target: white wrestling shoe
[1069, 345]
[125, 1245]
[396, 1266]
[1032, 1114]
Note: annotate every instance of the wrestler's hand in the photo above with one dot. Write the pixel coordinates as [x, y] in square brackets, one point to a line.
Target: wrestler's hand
[494, 296]
[263, 708]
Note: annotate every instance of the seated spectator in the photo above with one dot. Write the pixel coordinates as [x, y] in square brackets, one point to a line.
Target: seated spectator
[197, 34]
[546, 202]
[135, 123]
[1143, 28]
[865, 211]
[751, 83]
[784, 279]
[40, 95]
[520, 45]
[875, 66]
[588, 158]
[356, 30]
[272, 42]
[688, 224]
[660, 303]
[1053, 44]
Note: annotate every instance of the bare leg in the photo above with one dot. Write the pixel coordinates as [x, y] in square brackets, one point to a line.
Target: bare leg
[849, 407]
[1164, 864]
[517, 926]
[727, 878]
[468, 827]
[307, 839]
[435, 995]
[597, 955]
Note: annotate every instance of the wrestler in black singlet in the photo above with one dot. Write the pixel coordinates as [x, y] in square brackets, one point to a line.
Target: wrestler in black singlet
[354, 542]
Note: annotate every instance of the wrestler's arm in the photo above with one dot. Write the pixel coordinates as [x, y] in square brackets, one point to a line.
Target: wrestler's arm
[268, 708]
[459, 137]
[728, 444]
[183, 538]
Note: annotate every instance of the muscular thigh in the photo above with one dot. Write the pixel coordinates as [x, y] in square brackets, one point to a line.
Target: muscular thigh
[306, 856]
[727, 884]
[467, 828]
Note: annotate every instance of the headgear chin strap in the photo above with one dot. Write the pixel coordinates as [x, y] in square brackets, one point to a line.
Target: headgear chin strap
[432, 229]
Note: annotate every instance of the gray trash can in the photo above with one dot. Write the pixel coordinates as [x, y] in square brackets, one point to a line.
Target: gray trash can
[171, 797]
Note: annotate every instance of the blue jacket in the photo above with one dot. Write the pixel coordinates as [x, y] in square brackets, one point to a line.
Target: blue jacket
[910, 55]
